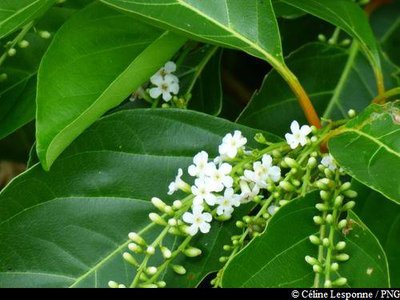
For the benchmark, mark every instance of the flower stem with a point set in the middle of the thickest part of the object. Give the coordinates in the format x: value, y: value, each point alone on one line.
x: 387, y: 94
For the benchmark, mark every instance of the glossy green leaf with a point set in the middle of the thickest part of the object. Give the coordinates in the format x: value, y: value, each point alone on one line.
x: 336, y: 79
x: 95, y: 61
x: 276, y: 257
x: 348, y: 16
x: 18, y: 92
x: 383, y: 218
x: 15, y: 14
x: 200, y: 76
x: 69, y: 226
x: 368, y: 148
x: 246, y: 25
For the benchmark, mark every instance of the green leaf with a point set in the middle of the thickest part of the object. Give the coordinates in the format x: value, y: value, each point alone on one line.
x: 284, y: 10
x: 245, y: 25
x: 386, y: 24
x: 276, y: 257
x: 18, y: 92
x: 383, y: 218
x: 200, y: 75
x: 348, y: 16
x: 336, y: 79
x: 95, y: 61
x: 69, y: 226
x: 15, y: 14
x: 368, y: 148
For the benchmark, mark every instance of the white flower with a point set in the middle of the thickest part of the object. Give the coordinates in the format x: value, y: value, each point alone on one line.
x: 227, y: 202
x: 168, y: 68
x: 202, y: 192
x: 298, y: 135
x: 329, y: 162
x: 262, y: 171
x: 274, y: 172
x: 200, y: 165
x: 165, y: 86
x: 218, y: 178
x: 231, y: 144
x: 198, y: 219
x: 248, y: 191
x: 178, y: 184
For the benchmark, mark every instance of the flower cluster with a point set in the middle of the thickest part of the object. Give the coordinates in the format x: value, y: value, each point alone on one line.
x: 165, y: 82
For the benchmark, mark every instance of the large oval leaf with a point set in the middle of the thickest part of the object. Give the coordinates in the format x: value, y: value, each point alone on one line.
x: 15, y: 14
x: 349, y: 84
x: 383, y: 218
x: 69, y: 226
x: 368, y: 148
x: 94, y: 62
x: 276, y: 258
x: 246, y: 25
x: 348, y: 16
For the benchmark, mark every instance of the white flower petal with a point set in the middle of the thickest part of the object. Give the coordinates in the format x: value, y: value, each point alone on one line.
x: 170, y: 67
x: 225, y: 168
x: 205, y: 227
x: 294, y: 127
x: 188, y: 217
x: 207, y: 217
x: 193, y: 229
x: 155, y: 92
x: 305, y: 130
x: 166, y: 96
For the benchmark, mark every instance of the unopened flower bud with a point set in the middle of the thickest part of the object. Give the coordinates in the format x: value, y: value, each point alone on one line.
x: 166, y: 252
x: 318, y: 220
x: 151, y: 270
x: 23, y: 44
x: 150, y: 250
x: 223, y: 259
x: 350, y: 194
x: 44, y: 34
x: 260, y: 138
x: 321, y: 37
x: 276, y: 153
x: 135, y: 248
x: 349, y: 205
x: 321, y: 206
x: 311, y: 260
x: 227, y: 248
x: 324, y: 195
x: 287, y: 186
x: 113, y: 284
x: 283, y: 202
x: 11, y: 52
x: 312, y: 162
x: 351, y: 113
x: 161, y: 284
x: 338, y: 201
x: 136, y: 238
x: 179, y: 269
x: 340, y: 245
x: 177, y: 204
x: 240, y: 224
x: 334, y: 267
x: 158, y: 203
x: 291, y: 162
x: 3, y: 77
x: 157, y: 219
x: 121, y: 286
x: 325, y: 242
x: 329, y: 219
x: 327, y: 284
x: 172, y: 222
x: 314, y: 240
x: 317, y: 268
x: 345, y: 186
x: 345, y: 42
x: 192, y: 252
x: 168, y: 210
x: 313, y: 139
x: 342, y: 224
x: 342, y: 257
x: 130, y: 259
x: 340, y: 281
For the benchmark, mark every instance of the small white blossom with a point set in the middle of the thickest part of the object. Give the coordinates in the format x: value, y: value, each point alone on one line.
x: 248, y: 191
x: 200, y: 165
x: 329, y: 162
x: 198, y: 219
x: 202, y: 192
x: 218, y: 178
x: 231, y: 144
x: 272, y: 209
x: 164, y: 86
x: 168, y: 69
x: 298, y: 135
x: 227, y: 202
x: 177, y: 184
x: 262, y: 171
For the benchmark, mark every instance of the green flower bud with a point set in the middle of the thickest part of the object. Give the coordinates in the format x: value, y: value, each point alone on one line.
x: 148, y: 286
x: 342, y: 257
x: 276, y: 153
x: 311, y: 260
x: 143, y: 277
x: 327, y: 284
x: 321, y: 206
x: 158, y: 203
x: 11, y: 52
x: 317, y: 268
x: 351, y: 113
x: 345, y: 43
x: 325, y: 242
x: 345, y: 186
x: 276, y: 195
x: 223, y: 259
x: 257, y: 199
x: 287, y: 186
x: 266, y: 216
x: 135, y: 248
x: 321, y: 37
x: 172, y: 222
x: 334, y: 267
x: 121, y: 286
x: 161, y: 284
x: 247, y: 219
x: 340, y: 245
x: 155, y: 218
x: 3, y: 77
x: 150, y: 250
x: 291, y: 162
x: 44, y: 34
x: 349, y: 205
x: 342, y: 224
x: 151, y: 270
x: 240, y: 224
x: 283, y: 202
x: 314, y: 240
x: 350, y: 194
x: 260, y: 138
x: 318, y: 220
x: 340, y: 281
x: 177, y: 231
x: 136, y: 238
x: 338, y: 201
x: 192, y: 252
x: 329, y: 219
x: 329, y: 173
x: 312, y: 162
x: 166, y: 252
x: 177, y: 204
x: 178, y: 269
x: 296, y: 182
x: 324, y: 195
x: 130, y: 259
x: 169, y: 211
x: 113, y: 284
x: 227, y: 248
